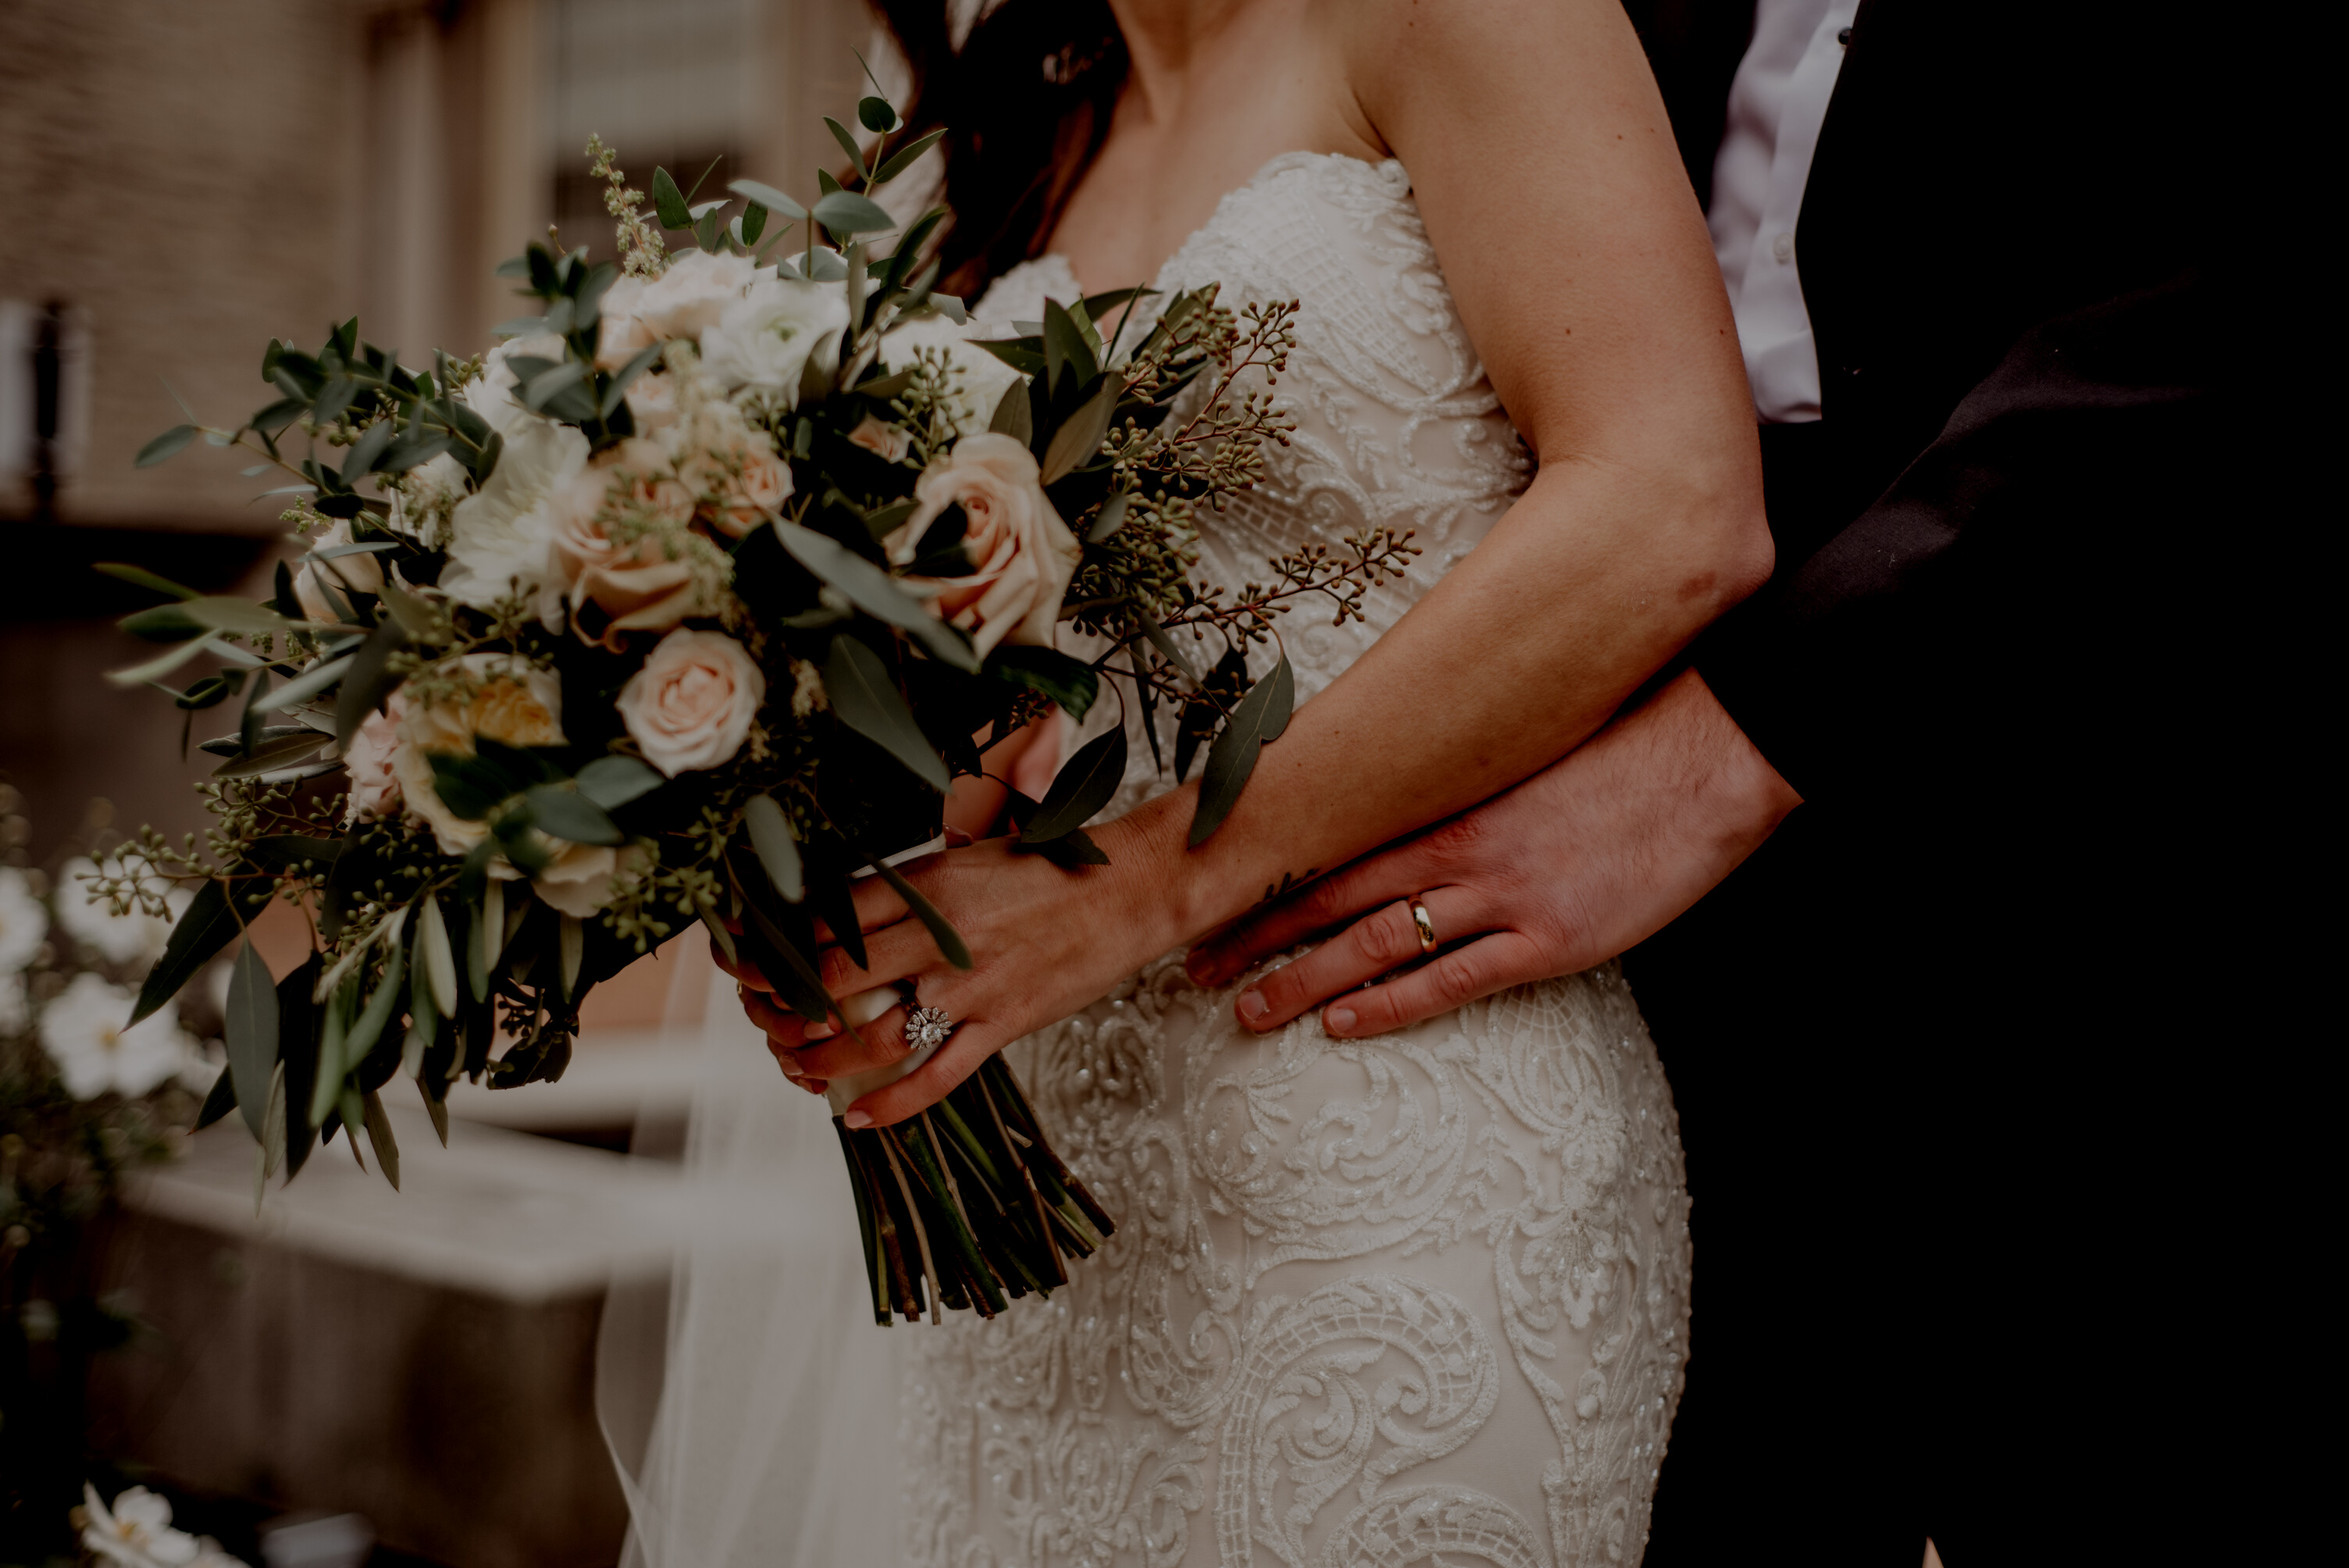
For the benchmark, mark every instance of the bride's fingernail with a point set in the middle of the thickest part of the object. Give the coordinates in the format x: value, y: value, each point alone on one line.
x: 818, y: 1032
x: 858, y: 1119
x: 1338, y: 1020
x: 1251, y: 1005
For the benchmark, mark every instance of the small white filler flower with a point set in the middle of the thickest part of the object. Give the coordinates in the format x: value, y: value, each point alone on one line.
x: 83, y: 1031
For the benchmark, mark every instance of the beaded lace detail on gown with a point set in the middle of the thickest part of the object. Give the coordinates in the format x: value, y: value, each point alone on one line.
x: 1419, y: 1299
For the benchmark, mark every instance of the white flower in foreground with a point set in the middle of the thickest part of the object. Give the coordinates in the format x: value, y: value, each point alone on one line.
x: 134, y: 938
x: 24, y: 921
x: 580, y: 880
x: 137, y: 1533
x: 82, y: 1030
x: 979, y: 379
x: 767, y: 339
x: 500, y: 536
x: 425, y: 496
x: 359, y: 572
x: 692, y: 705
x: 490, y: 394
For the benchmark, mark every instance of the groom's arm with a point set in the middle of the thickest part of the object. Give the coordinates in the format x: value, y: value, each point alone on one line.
x: 2050, y: 508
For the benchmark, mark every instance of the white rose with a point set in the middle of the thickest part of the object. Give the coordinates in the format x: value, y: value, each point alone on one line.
x: 769, y: 338
x: 357, y: 572
x: 580, y: 880
x: 1025, y: 555
x: 980, y: 379
x: 686, y: 301
x: 24, y: 921
x: 499, y: 537
x: 515, y: 703
x: 425, y: 496
x: 692, y: 705
x: 490, y: 394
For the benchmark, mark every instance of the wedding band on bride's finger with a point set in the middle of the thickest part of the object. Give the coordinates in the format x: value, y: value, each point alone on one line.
x: 1421, y: 924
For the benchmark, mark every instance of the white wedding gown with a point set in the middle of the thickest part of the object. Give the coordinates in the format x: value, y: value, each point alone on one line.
x: 1418, y: 1299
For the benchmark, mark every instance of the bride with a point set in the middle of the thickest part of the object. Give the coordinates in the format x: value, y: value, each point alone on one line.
x: 1382, y: 1300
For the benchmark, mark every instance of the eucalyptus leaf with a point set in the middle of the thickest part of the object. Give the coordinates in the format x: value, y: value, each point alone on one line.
x: 203, y: 928
x: 867, y: 700
x: 1261, y: 715
x: 613, y: 781
x: 1013, y: 414
x: 1071, y: 682
x: 164, y: 445
x: 568, y: 814
x: 221, y: 614
x: 1082, y: 788
x: 1164, y: 645
x: 844, y: 212
x: 875, y: 115
x: 670, y: 201
x: 1111, y: 516
x: 309, y: 683
x: 767, y: 196
x: 252, y: 1029
x: 273, y: 757
x: 144, y: 579
x: 870, y: 589
x: 433, y: 953
x: 1078, y: 440
x: 942, y: 930
x: 903, y: 158
x: 777, y: 846
x: 386, y: 1146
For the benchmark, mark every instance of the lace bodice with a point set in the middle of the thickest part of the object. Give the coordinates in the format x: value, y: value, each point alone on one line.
x: 1415, y: 1300
x: 1396, y: 425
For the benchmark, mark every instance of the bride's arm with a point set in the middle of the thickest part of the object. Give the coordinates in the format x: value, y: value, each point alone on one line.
x: 1542, y: 160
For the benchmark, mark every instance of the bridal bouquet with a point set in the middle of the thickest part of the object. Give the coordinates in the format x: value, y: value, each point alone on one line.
x: 687, y: 603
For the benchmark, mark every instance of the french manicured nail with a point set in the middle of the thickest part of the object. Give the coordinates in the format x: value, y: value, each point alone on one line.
x: 818, y: 1032
x: 813, y: 1085
x: 1338, y: 1020
x: 858, y: 1119
x: 1251, y: 1005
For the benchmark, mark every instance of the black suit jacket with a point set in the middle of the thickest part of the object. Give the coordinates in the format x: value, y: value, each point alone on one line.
x: 1924, y: 1042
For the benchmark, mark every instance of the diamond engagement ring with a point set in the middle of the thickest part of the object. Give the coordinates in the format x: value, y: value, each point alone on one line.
x: 927, y: 1027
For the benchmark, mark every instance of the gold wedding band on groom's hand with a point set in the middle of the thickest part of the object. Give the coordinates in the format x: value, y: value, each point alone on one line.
x: 1425, y: 927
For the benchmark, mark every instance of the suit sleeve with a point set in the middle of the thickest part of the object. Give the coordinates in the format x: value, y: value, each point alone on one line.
x: 2063, y: 517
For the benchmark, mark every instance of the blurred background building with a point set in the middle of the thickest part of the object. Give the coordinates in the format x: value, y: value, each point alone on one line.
x: 185, y: 181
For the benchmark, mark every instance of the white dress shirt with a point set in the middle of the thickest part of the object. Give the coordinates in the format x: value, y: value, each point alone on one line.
x: 1777, y: 104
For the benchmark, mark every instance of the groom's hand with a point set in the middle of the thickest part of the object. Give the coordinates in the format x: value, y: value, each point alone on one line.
x: 1566, y: 871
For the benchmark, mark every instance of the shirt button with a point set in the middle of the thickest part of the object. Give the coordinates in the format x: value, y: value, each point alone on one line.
x: 1783, y: 247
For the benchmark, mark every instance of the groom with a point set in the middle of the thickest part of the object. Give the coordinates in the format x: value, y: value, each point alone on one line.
x: 1938, y: 1040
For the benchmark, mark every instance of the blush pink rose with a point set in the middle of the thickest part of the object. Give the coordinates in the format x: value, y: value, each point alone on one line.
x: 691, y: 705
x: 642, y: 584
x: 1024, y: 555
x: 375, y: 783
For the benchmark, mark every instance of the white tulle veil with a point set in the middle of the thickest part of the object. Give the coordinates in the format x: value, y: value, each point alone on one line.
x: 751, y: 1402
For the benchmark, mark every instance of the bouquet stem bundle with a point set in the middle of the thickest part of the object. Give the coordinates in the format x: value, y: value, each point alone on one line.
x: 965, y: 1206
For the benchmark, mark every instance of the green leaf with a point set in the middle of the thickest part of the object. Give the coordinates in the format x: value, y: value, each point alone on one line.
x: 1066, y: 348
x: 439, y: 964
x: 903, y: 158
x: 797, y: 984
x: 205, y: 927
x: 875, y: 115
x: 867, y: 702
x: 870, y: 589
x: 370, y: 681
x: 847, y: 140
x: 309, y: 683
x: 1078, y: 440
x: 613, y: 781
x: 567, y: 814
x: 942, y: 930
x: 252, y: 1028
x: 670, y: 201
x: 368, y: 449
x: 1014, y: 417
x: 547, y: 384
x: 768, y: 197
x: 1071, y: 682
x: 1083, y: 787
x: 162, y: 623
x: 144, y: 579
x: 1261, y: 715
x: 224, y: 614
x: 1107, y: 521
x: 386, y: 1146
x: 221, y: 1101
x: 777, y: 846
x: 1164, y: 645
x: 273, y: 756
x: 164, y: 445
x: 844, y: 212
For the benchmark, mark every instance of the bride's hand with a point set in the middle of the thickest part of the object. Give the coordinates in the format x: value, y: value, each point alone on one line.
x: 1044, y: 941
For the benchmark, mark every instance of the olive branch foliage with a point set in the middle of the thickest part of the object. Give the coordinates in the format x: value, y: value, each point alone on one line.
x: 1139, y: 410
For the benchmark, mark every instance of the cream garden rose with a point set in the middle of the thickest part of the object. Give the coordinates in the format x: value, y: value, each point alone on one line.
x: 692, y: 705
x: 375, y: 781
x: 768, y: 340
x: 499, y: 537
x: 511, y: 702
x: 685, y: 301
x: 617, y: 540
x: 1024, y: 555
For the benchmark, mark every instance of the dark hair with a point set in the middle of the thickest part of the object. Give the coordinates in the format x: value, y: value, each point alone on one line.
x: 1026, y: 101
